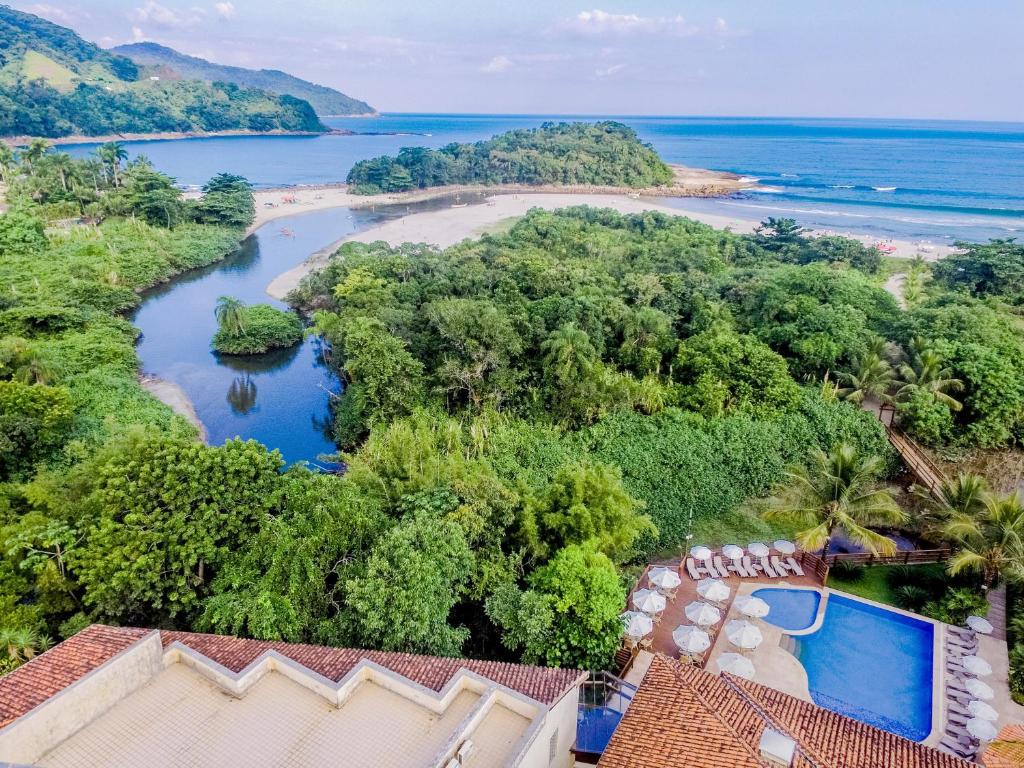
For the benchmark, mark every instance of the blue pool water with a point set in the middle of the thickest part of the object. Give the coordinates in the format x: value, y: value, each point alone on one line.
x: 791, y: 609
x: 594, y: 728
x: 872, y: 664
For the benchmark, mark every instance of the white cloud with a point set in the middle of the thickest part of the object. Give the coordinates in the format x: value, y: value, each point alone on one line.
x: 162, y: 16
x: 52, y: 12
x: 609, y: 71
x: 138, y: 35
x: 225, y: 11
x: 497, y: 64
x: 602, y: 23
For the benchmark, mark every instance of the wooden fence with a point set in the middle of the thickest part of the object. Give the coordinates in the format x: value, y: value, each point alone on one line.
x: 906, y: 557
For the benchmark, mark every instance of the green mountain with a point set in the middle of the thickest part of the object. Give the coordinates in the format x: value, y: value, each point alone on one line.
x: 169, y: 62
x: 53, y: 83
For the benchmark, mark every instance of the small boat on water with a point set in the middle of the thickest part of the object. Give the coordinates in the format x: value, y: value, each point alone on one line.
x: 459, y: 205
x: 285, y: 232
x: 884, y: 189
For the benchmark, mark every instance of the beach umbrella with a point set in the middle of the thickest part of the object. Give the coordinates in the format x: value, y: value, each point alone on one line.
x: 735, y: 664
x: 664, y: 578
x: 714, y: 590
x: 637, y: 624
x: 703, y: 614
x: 743, y: 634
x: 751, y: 606
x: 978, y: 689
x: 691, y: 639
x: 982, y: 710
x: 785, y: 547
x: 976, y: 665
x: 757, y: 549
x: 982, y: 730
x: 648, y: 601
x: 979, y: 624
x: 700, y: 552
x: 732, y: 552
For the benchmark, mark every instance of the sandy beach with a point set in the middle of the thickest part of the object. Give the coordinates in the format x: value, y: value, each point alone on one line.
x: 448, y: 226
x: 173, y: 396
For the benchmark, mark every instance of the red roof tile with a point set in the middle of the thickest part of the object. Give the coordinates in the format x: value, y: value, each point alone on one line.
x: 1007, y: 751
x: 539, y: 683
x: 49, y: 673
x: 684, y: 717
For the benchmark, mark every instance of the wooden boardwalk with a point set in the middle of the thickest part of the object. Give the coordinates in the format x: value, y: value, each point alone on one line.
x: 925, y: 471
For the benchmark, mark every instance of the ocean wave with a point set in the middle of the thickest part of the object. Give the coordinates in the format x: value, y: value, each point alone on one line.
x: 884, y: 189
x: 770, y: 190
x: 843, y: 186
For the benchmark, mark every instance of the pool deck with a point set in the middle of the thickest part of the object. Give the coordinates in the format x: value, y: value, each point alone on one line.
x: 776, y: 667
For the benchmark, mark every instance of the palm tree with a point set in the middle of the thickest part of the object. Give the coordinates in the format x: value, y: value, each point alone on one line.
x: 837, y: 491
x: 871, y: 380
x: 7, y: 162
x: 568, y: 353
x: 112, y: 154
x: 962, y: 496
x: 926, y: 374
x: 230, y: 313
x: 34, y: 151
x: 64, y: 166
x: 989, y: 539
x: 21, y: 643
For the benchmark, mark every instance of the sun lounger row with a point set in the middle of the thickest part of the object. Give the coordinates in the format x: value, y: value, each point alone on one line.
x: 956, y: 739
x: 774, y: 567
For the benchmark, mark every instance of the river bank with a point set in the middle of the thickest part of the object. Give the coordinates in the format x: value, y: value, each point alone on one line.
x: 276, y: 202
x: 443, y: 228
x: 174, y: 397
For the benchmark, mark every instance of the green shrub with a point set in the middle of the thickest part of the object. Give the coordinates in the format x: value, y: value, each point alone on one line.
x: 912, y: 597
x: 265, y: 328
x: 848, y: 571
x: 956, y: 605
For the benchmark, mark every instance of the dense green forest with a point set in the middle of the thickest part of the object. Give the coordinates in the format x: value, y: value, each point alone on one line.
x: 605, y: 153
x: 525, y: 418
x: 163, y: 61
x: 53, y: 83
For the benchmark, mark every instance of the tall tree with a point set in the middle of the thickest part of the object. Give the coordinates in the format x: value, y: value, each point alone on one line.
x: 230, y: 314
x: 112, y: 154
x: 837, y: 491
x: 989, y: 539
x: 871, y: 379
x: 926, y: 374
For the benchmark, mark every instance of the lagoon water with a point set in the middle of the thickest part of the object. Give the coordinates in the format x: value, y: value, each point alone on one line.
x: 909, y: 179
x: 949, y: 180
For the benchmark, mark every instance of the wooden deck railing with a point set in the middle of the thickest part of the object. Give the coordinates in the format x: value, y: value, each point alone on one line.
x: 928, y: 474
x: 906, y: 557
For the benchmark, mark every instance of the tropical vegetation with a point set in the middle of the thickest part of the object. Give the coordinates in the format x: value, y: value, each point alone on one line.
x: 604, y: 154
x: 249, y: 330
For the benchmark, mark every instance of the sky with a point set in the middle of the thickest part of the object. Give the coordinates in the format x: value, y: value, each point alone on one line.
x: 946, y: 59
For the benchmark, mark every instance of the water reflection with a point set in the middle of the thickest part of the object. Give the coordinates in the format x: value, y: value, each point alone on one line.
x: 242, y: 395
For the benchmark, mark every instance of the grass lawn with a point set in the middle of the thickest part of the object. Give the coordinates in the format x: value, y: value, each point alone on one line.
x: 873, y: 582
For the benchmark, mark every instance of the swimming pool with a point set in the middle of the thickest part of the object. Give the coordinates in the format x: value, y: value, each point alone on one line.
x: 866, y: 662
x: 791, y: 609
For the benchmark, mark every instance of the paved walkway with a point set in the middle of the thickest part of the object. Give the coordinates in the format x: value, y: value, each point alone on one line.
x: 993, y: 649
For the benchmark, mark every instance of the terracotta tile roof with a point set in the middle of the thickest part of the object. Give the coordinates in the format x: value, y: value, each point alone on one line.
x: 49, y: 673
x: 1007, y: 751
x: 539, y: 683
x: 684, y: 717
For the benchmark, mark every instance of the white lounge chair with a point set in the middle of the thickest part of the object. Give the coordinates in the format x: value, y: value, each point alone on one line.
x: 691, y: 568
x: 767, y: 568
x: 720, y: 567
x: 777, y: 565
x: 748, y: 566
x: 794, y: 566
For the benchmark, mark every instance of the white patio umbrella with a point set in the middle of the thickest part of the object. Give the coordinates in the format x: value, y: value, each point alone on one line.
x: 982, y: 710
x: 978, y: 689
x: 751, y: 606
x: 732, y: 552
x: 785, y: 547
x: 743, y: 634
x: 700, y: 552
x: 691, y: 639
x: 757, y: 549
x: 637, y: 624
x: 982, y: 730
x: 664, y: 578
x: 976, y: 665
x: 735, y: 664
x: 703, y: 614
x: 714, y: 590
x: 979, y: 624
x: 648, y: 601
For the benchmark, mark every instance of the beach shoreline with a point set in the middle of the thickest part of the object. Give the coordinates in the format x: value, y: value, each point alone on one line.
x: 445, y: 227
x: 175, y: 398
x: 21, y: 141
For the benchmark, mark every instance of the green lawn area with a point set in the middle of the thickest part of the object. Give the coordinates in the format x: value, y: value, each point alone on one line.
x: 873, y: 583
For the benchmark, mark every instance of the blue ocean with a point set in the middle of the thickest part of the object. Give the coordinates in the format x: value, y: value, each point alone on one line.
x: 908, y: 179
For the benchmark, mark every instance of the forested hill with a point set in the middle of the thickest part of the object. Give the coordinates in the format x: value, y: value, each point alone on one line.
x: 169, y: 62
x: 53, y: 83
x: 600, y: 154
